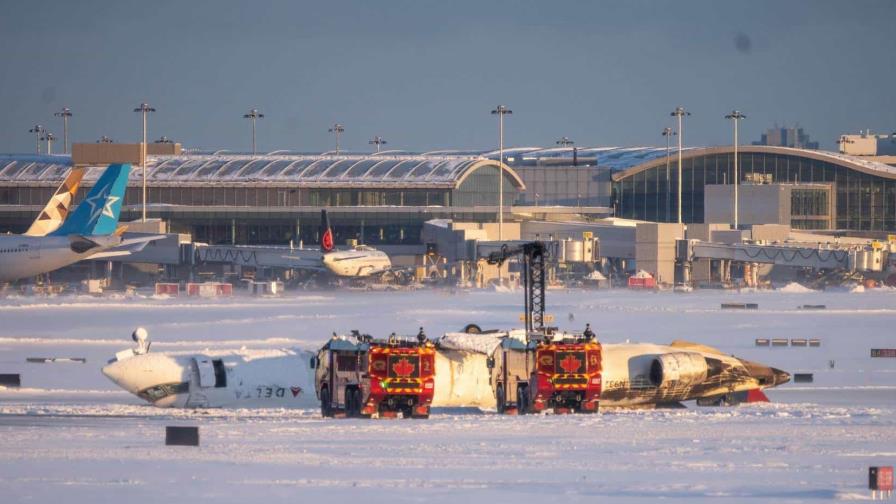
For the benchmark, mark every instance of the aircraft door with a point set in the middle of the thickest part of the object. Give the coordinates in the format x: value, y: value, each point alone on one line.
x: 34, y: 250
x: 205, y: 371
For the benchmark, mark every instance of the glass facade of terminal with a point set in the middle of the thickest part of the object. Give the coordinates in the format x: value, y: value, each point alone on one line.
x: 861, y: 201
x: 389, y: 199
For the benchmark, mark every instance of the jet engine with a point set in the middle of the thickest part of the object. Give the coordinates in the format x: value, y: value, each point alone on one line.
x: 678, y: 369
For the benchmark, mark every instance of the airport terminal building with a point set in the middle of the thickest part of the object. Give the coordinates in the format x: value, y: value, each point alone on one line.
x: 385, y: 198
x: 831, y: 190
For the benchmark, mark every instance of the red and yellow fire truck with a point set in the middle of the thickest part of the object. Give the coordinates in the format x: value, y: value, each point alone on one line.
x: 549, y: 370
x: 381, y: 378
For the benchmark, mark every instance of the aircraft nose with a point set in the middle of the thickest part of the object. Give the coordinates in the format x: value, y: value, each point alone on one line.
x: 118, y: 372
x: 781, y: 377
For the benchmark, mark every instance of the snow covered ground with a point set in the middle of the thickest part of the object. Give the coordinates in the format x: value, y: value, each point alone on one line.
x: 69, y: 435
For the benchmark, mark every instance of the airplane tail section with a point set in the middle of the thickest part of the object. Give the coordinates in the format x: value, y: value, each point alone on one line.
x: 98, y: 213
x: 54, y: 214
x: 326, y: 233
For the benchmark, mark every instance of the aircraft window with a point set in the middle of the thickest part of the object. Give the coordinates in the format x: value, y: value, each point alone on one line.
x: 220, y: 373
x: 153, y: 394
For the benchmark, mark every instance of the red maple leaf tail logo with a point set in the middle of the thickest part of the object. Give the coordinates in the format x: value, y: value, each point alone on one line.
x: 326, y: 242
x: 295, y: 391
x: 403, y: 367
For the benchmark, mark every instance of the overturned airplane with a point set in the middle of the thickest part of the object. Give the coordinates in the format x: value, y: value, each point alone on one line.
x: 632, y: 375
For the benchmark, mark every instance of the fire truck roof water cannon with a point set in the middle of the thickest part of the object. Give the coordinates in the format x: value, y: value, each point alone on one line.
x: 362, y: 377
x: 548, y: 370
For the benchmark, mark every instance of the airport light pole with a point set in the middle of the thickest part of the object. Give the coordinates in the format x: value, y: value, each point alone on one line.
x: 164, y: 140
x: 144, y: 109
x: 336, y: 130
x: 735, y: 116
x: 679, y: 112
x: 668, y: 133
x: 501, y: 111
x: 37, y: 130
x: 49, y: 138
x: 65, y: 113
x: 104, y: 140
x: 377, y: 140
x: 254, y: 115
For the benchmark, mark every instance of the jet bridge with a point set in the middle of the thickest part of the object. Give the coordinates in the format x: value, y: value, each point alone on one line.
x: 851, y: 259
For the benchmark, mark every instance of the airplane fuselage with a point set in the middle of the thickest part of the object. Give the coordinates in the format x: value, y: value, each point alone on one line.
x: 359, y: 263
x: 27, y: 256
x: 277, y: 378
x: 285, y: 378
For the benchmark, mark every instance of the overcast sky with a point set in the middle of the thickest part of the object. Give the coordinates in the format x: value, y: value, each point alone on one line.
x: 425, y: 74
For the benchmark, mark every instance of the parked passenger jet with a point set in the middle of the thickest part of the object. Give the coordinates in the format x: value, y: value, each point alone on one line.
x: 360, y: 261
x: 91, y: 232
x: 635, y: 375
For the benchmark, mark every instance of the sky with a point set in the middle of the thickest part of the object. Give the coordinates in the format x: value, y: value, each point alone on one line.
x: 426, y: 74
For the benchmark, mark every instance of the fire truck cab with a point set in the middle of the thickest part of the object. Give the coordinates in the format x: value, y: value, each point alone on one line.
x: 373, y: 378
x: 567, y: 376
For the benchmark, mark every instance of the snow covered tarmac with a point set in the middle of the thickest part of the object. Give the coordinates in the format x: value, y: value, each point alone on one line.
x: 70, y: 434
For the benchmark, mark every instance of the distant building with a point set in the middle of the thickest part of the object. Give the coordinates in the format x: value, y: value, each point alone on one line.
x: 870, y: 146
x: 787, y: 137
x: 867, y: 143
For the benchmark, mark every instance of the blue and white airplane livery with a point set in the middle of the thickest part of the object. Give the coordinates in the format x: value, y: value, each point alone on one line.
x: 90, y: 232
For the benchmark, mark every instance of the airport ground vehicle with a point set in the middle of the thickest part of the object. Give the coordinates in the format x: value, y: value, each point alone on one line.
x: 559, y: 372
x: 546, y: 369
x: 368, y: 377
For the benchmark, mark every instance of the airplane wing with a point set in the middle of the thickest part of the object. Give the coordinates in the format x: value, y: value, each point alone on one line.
x: 305, y: 263
x: 109, y: 253
x: 696, y: 346
x: 127, y: 246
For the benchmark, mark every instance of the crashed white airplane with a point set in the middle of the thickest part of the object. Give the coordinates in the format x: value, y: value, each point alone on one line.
x: 635, y: 375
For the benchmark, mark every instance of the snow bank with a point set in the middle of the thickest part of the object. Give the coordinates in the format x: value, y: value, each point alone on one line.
x: 795, y: 288
x: 478, y: 343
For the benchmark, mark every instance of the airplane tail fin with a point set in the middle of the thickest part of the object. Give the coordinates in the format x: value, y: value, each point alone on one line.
x: 98, y: 213
x: 54, y: 214
x: 326, y: 233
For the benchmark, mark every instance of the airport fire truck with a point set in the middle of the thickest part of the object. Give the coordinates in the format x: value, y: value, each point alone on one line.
x: 359, y: 376
x: 544, y: 369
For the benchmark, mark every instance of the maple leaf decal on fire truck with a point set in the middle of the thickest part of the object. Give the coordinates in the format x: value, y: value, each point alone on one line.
x: 570, y: 364
x: 403, y: 367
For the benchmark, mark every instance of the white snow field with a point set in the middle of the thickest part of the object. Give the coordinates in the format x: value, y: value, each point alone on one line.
x: 69, y: 435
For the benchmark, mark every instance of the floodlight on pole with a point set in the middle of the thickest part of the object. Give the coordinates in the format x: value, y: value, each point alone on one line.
x: 735, y: 116
x: 105, y: 140
x: 336, y: 130
x: 49, y: 138
x: 679, y: 112
x: 144, y: 109
x: 501, y: 111
x: 378, y: 141
x: 668, y: 133
x: 37, y: 130
x: 164, y: 140
x: 254, y: 115
x: 65, y: 113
